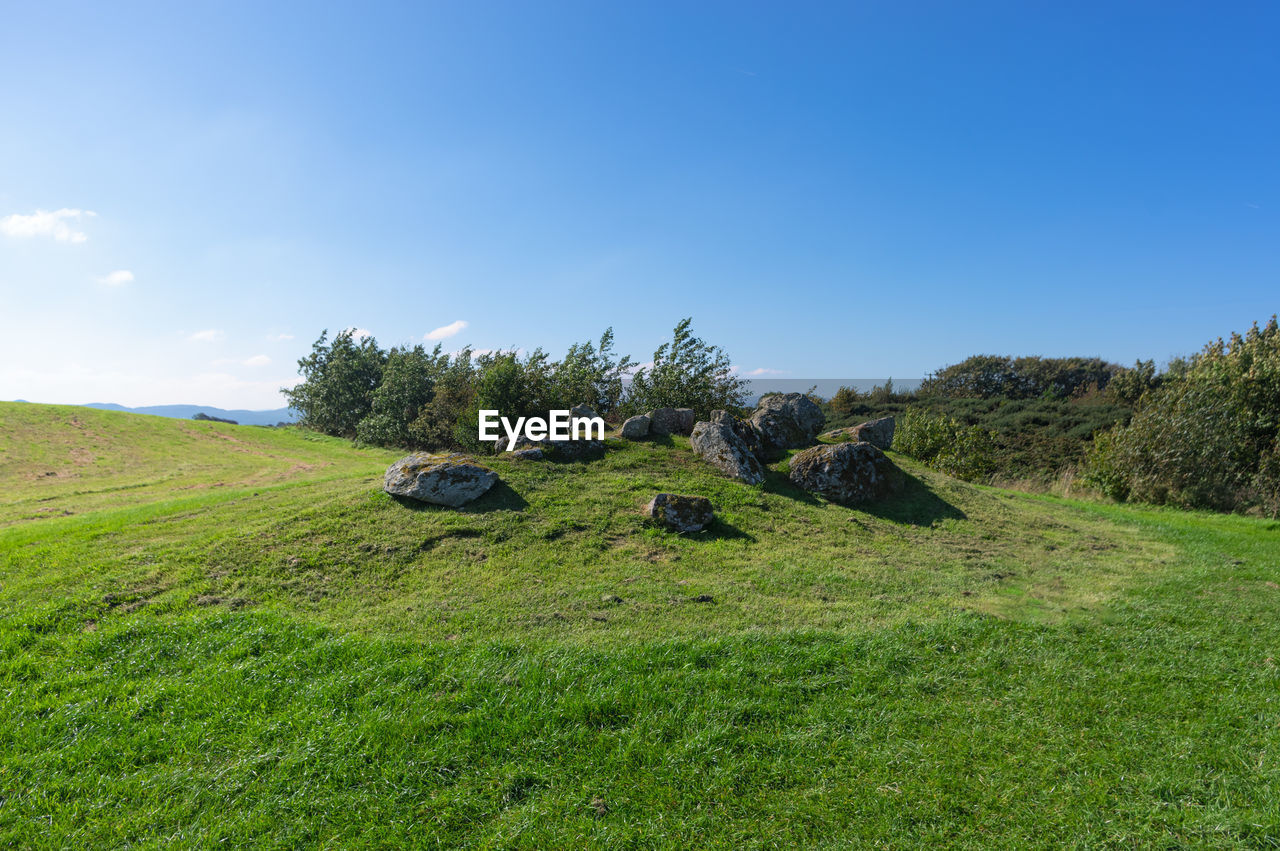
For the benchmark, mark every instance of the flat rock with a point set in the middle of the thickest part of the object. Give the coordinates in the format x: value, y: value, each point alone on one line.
x: 719, y: 445
x: 846, y: 472
x: 680, y: 513
x: 879, y: 433
x: 451, y: 479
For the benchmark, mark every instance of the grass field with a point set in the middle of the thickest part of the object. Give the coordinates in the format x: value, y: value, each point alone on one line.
x: 218, y: 634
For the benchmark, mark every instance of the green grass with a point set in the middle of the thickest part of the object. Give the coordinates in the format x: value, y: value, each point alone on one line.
x: 295, y: 659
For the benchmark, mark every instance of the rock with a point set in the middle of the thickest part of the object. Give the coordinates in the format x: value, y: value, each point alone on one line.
x: 581, y: 412
x: 720, y: 446
x: 879, y: 433
x: 680, y: 513
x: 573, y: 450
x: 451, y: 480
x: 635, y: 427
x: 785, y: 421
x: 671, y: 421
x: 846, y: 472
x: 561, y: 450
x: 741, y: 429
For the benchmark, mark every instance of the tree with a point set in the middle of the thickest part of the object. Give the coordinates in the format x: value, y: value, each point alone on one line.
x: 408, y: 386
x: 687, y: 373
x: 591, y: 374
x: 338, y: 382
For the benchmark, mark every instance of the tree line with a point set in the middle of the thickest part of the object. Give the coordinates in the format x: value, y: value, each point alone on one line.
x: 415, y: 398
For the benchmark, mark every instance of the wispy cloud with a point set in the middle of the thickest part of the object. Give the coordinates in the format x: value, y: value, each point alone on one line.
x: 257, y: 360
x: 444, y: 332
x: 765, y: 371
x: 46, y: 224
x: 279, y: 338
x: 118, y: 278
x: 209, y: 335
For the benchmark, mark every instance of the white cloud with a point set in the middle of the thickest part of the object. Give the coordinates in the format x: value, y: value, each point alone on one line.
x: 118, y: 278
x: 766, y: 371
x: 279, y: 338
x: 209, y: 335
x: 446, y: 331
x: 359, y: 334
x: 44, y: 223
x: 258, y: 360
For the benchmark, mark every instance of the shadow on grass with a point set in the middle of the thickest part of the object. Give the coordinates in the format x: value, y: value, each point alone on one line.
x: 500, y: 497
x: 780, y: 484
x: 916, y: 506
x: 720, y: 531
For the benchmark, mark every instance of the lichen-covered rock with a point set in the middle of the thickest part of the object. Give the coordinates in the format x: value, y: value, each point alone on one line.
x: 680, y: 513
x: 635, y: 427
x: 718, y: 444
x: 785, y: 421
x: 532, y: 453
x: 451, y: 480
x: 879, y: 433
x: 846, y: 472
x: 671, y: 421
x: 742, y: 429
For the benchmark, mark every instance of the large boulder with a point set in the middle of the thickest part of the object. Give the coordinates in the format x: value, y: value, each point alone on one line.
x: 680, y: 513
x: 671, y: 421
x: 879, y: 433
x: 785, y: 421
x: 719, y: 445
x: 635, y: 427
x: 742, y: 429
x: 451, y: 480
x: 846, y: 472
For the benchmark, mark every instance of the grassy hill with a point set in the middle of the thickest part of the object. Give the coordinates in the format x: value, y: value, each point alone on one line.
x: 213, y: 633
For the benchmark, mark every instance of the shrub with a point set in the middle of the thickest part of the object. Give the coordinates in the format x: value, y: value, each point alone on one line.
x: 945, y: 444
x: 1206, y: 436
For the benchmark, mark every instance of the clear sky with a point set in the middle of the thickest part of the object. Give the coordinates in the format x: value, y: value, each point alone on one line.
x: 190, y: 192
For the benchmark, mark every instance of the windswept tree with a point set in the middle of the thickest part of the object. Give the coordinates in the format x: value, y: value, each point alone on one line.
x: 687, y: 373
x: 592, y: 374
x: 338, y: 383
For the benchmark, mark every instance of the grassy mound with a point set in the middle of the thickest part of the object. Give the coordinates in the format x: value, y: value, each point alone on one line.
x: 262, y: 646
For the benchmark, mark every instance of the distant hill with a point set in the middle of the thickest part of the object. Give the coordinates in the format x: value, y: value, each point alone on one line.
x: 186, y: 412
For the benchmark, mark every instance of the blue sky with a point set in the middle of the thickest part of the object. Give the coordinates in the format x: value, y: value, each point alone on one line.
x: 854, y: 189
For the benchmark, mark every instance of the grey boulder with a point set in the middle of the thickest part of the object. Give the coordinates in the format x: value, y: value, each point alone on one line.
x: 671, y: 421
x: 785, y: 421
x: 846, y: 472
x: 451, y: 480
x: 680, y: 513
x: 635, y: 427
x: 719, y: 445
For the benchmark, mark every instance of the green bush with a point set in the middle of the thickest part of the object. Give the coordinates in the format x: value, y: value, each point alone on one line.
x: 1206, y: 436
x: 945, y: 444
